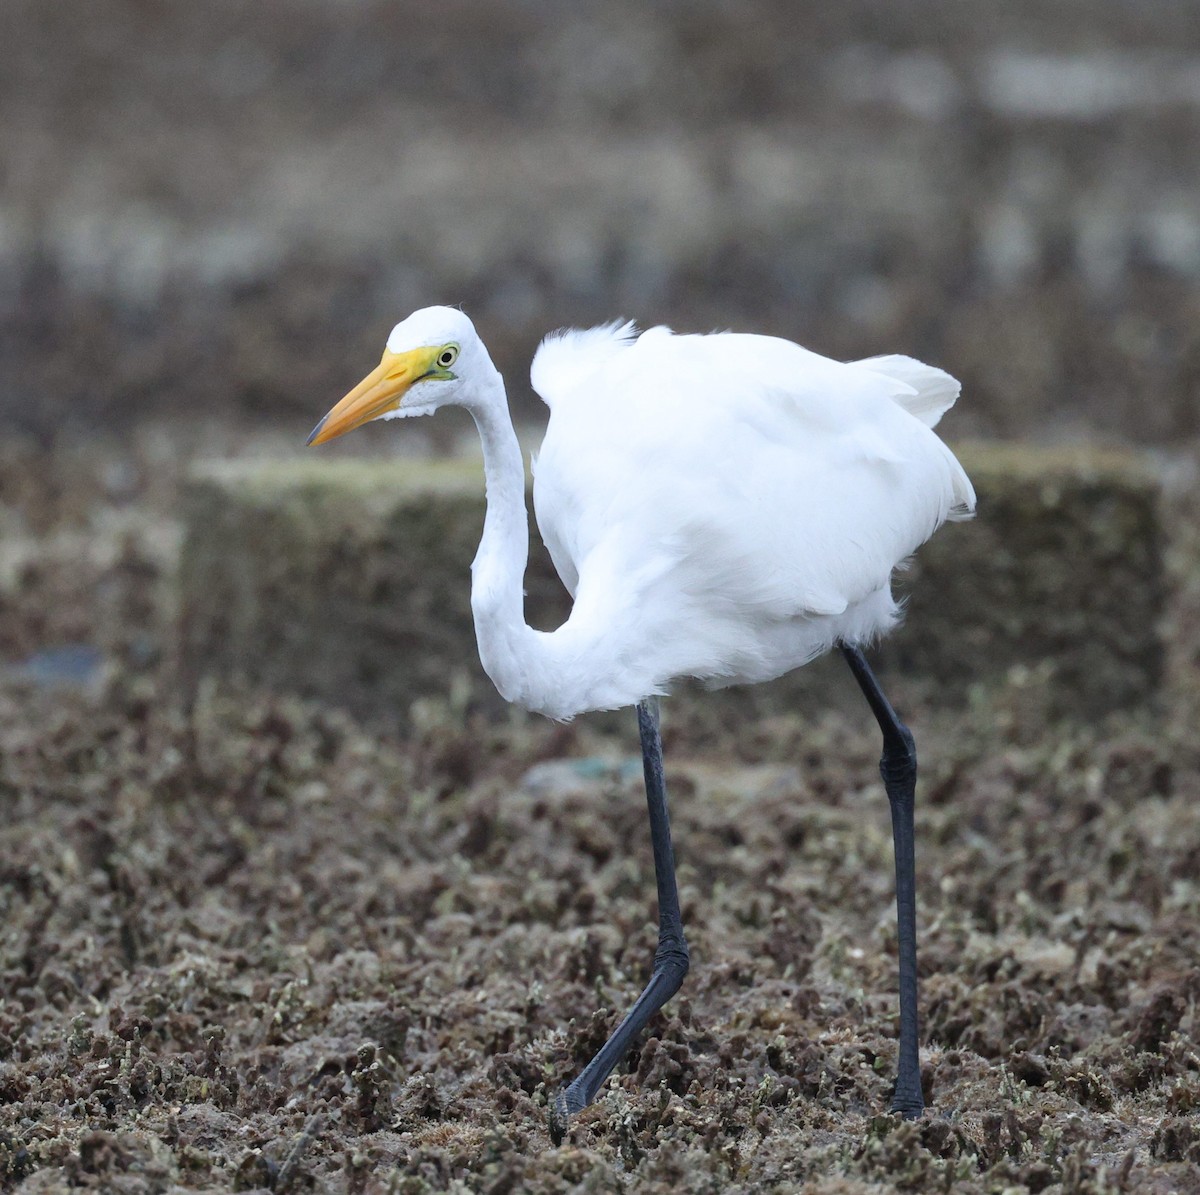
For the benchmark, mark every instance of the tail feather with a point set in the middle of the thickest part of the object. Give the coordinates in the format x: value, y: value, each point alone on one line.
x: 926, y: 391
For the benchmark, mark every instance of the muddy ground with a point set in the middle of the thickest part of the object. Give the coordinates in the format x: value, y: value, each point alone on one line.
x: 249, y: 943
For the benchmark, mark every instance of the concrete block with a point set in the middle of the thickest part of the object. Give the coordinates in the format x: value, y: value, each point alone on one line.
x: 342, y: 580
x: 1062, y: 574
x: 349, y: 581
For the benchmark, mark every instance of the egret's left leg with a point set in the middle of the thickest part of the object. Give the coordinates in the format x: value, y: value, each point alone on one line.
x: 898, y: 766
x: 671, y: 959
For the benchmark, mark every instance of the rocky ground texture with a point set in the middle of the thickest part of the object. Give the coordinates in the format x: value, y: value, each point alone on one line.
x: 252, y: 944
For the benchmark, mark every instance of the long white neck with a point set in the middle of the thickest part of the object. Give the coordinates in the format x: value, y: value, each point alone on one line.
x: 514, y: 655
x: 558, y: 673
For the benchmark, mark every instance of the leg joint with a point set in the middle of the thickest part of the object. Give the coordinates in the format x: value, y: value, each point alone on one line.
x: 899, y: 761
x: 673, y: 956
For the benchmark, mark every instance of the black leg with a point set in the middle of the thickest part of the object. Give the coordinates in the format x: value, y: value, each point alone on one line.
x: 898, y: 766
x: 671, y: 957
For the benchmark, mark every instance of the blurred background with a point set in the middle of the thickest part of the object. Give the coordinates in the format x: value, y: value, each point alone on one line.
x: 211, y: 216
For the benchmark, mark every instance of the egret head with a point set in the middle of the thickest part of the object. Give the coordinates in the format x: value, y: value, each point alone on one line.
x: 433, y: 358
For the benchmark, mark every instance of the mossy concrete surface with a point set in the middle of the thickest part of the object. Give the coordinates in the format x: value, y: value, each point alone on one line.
x: 350, y: 581
x: 1060, y: 581
x: 342, y: 580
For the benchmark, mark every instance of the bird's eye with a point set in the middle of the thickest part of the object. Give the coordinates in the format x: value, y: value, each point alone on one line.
x: 448, y: 356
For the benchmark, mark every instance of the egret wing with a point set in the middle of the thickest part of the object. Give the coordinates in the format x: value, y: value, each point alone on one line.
x: 775, y: 478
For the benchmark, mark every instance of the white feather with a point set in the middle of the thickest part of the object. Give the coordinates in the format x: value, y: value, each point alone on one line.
x: 923, y: 390
x: 728, y: 507
x: 566, y: 358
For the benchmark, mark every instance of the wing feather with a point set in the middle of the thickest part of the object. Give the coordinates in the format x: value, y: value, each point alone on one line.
x: 567, y: 358
x: 738, y: 487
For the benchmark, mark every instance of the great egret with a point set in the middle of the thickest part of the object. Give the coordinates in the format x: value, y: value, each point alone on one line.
x: 726, y: 507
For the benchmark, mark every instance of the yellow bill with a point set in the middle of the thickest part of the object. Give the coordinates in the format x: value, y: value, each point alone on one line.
x: 378, y: 393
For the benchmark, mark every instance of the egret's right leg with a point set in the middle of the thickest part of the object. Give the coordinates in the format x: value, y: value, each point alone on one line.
x: 671, y: 959
x: 898, y: 767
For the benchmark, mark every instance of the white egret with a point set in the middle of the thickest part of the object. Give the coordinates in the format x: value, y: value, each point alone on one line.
x: 725, y: 507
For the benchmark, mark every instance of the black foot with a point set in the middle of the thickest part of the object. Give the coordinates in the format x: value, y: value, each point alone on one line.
x: 909, y: 1109
x: 559, y: 1111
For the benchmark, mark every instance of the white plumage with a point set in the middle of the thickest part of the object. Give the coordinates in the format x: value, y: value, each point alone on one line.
x: 725, y: 507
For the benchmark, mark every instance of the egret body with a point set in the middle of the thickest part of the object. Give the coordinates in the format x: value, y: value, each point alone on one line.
x: 726, y: 507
